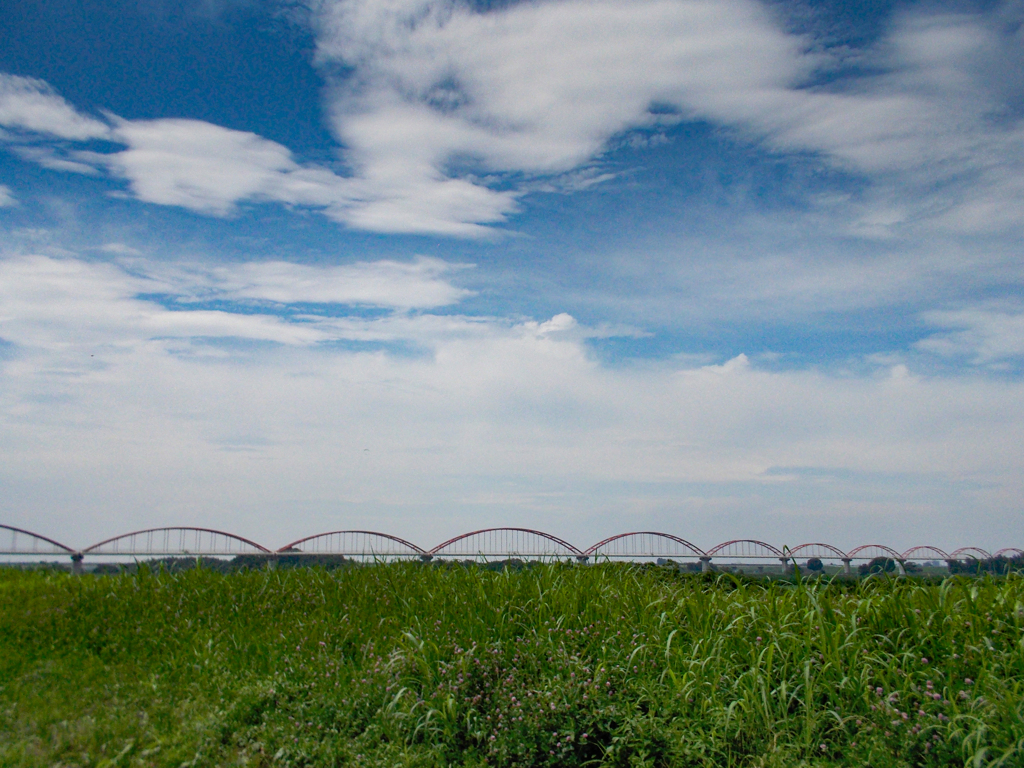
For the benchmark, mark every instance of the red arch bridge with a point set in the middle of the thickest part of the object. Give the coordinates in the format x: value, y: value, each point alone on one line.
x: 481, y: 545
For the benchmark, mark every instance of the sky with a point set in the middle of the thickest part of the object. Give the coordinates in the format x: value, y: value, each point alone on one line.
x: 718, y: 268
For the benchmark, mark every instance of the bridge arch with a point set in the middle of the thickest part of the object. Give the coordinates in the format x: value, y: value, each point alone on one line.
x: 743, y: 551
x: 975, y: 553
x: 176, y: 541
x: 18, y: 541
x: 924, y: 553
x: 1009, y: 552
x: 747, y: 549
x: 817, y: 549
x: 353, y: 544
x: 644, y: 544
x: 871, y: 551
x: 506, y: 542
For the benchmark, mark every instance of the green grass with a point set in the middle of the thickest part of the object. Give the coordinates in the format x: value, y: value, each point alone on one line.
x: 560, y: 665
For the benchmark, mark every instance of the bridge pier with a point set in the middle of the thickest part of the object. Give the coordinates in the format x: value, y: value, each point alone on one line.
x: 76, y: 563
x: 705, y: 564
x: 847, y: 570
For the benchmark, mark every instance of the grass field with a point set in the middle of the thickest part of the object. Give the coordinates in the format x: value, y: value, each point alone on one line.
x: 558, y: 665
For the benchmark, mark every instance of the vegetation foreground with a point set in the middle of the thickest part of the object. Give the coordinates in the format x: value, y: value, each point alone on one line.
x: 558, y: 665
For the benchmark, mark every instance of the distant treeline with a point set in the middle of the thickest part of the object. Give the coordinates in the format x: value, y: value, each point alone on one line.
x: 996, y: 565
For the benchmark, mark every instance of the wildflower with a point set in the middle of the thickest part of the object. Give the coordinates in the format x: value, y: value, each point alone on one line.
x: 968, y: 681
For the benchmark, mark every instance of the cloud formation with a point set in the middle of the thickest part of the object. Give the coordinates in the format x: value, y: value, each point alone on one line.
x: 447, y: 115
x: 985, y: 335
x: 541, y: 88
x: 32, y: 105
x: 420, y: 284
x: 508, y: 418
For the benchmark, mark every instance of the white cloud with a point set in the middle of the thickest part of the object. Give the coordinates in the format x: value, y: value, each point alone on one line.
x: 210, y: 169
x: 63, y: 304
x: 537, y: 87
x: 47, y: 157
x: 417, y: 284
x: 201, y: 166
x: 31, y: 105
x: 542, y: 88
x: 98, y: 301
x: 7, y: 198
x: 985, y: 335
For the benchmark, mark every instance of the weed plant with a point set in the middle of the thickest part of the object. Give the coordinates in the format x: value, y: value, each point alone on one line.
x: 557, y: 665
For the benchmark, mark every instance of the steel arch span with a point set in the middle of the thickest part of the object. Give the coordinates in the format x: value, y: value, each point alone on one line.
x: 506, y: 542
x: 818, y: 550
x: 924, y: 553
x: 975, y: 553
x: 1009, y: 553
x: 361, y: 544
x: 645, y: 544
x: 18, y: 541
x: 871, y: 551
x: 747, y: 549
x: 175, y: 542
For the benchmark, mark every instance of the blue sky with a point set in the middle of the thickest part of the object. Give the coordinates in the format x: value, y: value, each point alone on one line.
x: 722, y: 269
